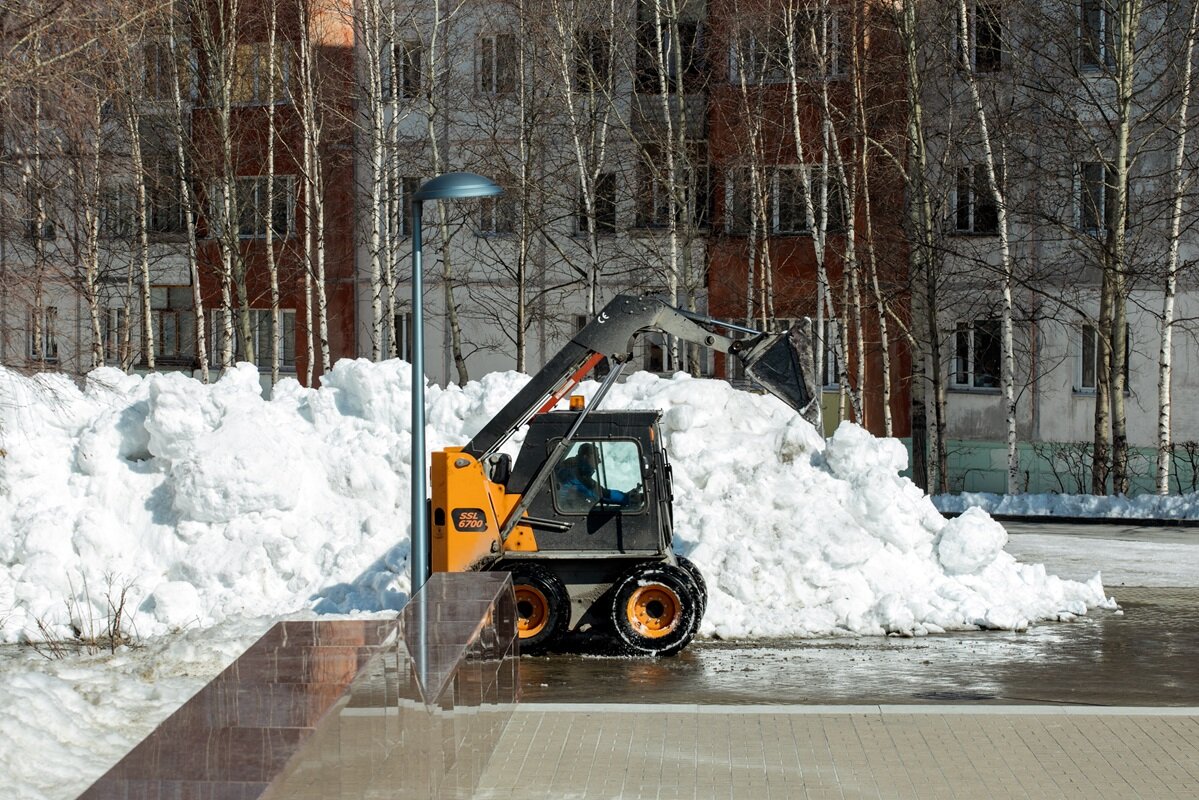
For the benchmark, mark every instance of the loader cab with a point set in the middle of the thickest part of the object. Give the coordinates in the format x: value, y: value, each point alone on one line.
x: 610, y: 492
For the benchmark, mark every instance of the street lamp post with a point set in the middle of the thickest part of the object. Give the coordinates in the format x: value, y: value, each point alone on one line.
x: 449, y: 186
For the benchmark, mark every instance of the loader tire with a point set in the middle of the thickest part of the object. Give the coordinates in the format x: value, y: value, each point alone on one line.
x: 655, y: 610
x: 698, y: 578
x: 542, y: 606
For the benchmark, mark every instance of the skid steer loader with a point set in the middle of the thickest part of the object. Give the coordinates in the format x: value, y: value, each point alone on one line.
x: 583, y: 518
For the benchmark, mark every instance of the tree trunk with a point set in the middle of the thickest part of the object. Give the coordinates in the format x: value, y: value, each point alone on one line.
x: 1008, y: 363
x: 272, y: 268
x: 92, y: 246
x: 373, y: 42
x: 1101, y: 453
x: 312, y: 123
x: 1127, y: 64
x: 141, y: 219
x: 1178, y: 176
x: 185, y: 197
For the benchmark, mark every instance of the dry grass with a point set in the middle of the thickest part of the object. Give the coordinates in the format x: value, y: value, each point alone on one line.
x: 89, y: 633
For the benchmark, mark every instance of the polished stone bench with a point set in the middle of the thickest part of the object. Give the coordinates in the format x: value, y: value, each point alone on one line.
x: 393, y: 708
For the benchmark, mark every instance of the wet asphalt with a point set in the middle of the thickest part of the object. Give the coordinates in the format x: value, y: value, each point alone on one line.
x: 1144, y: 654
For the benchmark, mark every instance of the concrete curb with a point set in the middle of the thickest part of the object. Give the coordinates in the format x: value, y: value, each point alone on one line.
x: 1046, y: 519
x: 871, y: 710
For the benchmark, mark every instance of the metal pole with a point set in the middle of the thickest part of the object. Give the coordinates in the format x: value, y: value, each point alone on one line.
x: 419, y: 562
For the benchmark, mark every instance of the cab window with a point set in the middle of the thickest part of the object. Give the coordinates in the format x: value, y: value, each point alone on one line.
x: 599, y: 472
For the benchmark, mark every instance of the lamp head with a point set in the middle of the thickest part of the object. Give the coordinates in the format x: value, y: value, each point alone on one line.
x: 457, y: 186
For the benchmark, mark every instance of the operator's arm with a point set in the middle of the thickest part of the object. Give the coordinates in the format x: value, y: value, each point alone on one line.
x: 616, y: 496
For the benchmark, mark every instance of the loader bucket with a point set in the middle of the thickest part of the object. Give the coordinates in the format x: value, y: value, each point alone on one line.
x: 785, y: 365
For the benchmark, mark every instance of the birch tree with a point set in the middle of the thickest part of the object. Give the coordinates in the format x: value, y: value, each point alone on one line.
x: 131, y: 104
x: 215, y: 27
x: 754, y: 64
x: 994, y: 168
x: 929, y: 452
x: 677, y: 188
x: 809, y: 64
x: 585, y: 99
x: 1180, y: 180
x: 857, y: 31
x: 312, y: 126
x: 378, y: 50
x: 182, y: 77
x: 272, y: 267
x: 1102, y: 77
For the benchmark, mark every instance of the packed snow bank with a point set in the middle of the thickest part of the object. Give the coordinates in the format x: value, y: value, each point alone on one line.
x: 1145, y: 506
x: 63, y: 723
x: 212, y: 503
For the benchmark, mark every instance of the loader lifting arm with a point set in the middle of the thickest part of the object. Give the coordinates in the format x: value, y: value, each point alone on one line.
x: 782, y: 362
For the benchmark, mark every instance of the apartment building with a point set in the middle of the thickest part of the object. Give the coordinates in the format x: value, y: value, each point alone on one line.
x: 635, y: 109
x: 679, y: 154
x: 1048, y: 75
x: 105, y: 256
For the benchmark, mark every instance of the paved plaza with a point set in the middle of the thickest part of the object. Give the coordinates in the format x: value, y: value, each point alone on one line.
x: 594, y: 752
x: 1103, y: 707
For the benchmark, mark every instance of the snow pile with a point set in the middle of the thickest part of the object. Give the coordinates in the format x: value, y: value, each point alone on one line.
x: 64, y: 723
x: 1145, y: 506
x: 212, y: 503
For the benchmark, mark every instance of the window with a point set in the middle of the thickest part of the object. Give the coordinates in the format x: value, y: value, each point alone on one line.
x: 1095, y: 196
x: 976, y: 354
x: 117, y: 212
x: 761, y: 57
x: 118, y: 340
x: 1096, y: 35
x: 497, y: 63
x: 986, y: 37
x: 401, y: 66
x: 497, y: 215
x: 396, y: 204
x: 36, y: 210
x: 975, y: 210
x: 593, y: 61
x: 1090, y: 358
x: 173, y: 320
x: 790, y: 203
x: 158, y: 77
x: 403, y: 349
x: 842, y: 45
x: 262, y: 326
x: 252, y: 207
x: 164, y: 209
x: 605, y: 206
x: 831, y: 378
x: 655, y: 357
x: 652, y: 200
x: 252, y: 70
x: 261, y: 337
x: 738, y: 207
x: 694, y: 192
x: 604, y: 472
x: 43, y: 343
x: 688, y: 51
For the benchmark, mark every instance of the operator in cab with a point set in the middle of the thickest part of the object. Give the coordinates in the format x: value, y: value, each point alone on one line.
x: 578, y: 487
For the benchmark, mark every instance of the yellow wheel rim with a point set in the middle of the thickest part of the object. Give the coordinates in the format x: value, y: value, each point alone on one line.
x: 654, y: 611
x: 532, y: 611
